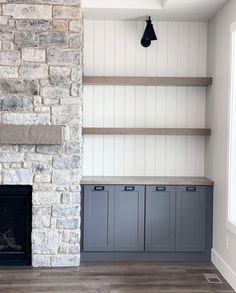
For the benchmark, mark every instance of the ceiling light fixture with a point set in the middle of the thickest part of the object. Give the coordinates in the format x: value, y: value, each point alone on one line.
x: 149, y: 34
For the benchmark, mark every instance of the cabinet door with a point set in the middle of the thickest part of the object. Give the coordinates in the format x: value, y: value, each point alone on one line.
x: 129, y: 218
x: 98, y: 218
x: 191, y: 218
x: 160, y: 218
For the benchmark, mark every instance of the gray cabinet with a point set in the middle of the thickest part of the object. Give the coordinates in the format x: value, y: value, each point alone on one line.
x: 98, y: 217
x: 129, y: 218
x: 160, y: 218
x: 148, y: 219
x: 191, y: 218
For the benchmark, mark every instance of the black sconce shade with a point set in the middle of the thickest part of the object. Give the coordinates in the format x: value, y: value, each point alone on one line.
x: 149, y: 34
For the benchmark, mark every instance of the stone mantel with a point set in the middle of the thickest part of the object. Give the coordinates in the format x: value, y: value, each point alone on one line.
x: 31, y: 134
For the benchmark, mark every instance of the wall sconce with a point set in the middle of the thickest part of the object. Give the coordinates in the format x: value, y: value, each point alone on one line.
x: 149, y: 34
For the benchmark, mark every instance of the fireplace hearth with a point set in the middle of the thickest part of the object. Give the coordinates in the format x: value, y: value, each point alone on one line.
x: 15, y: 224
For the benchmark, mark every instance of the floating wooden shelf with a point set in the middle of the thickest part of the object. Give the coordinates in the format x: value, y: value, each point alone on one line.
x: 148, y: 81
x: 146, y: 131
x: 147, y: 180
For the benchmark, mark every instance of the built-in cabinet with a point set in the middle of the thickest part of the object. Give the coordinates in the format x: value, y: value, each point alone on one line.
x: 160, y: 218
x: 124, y: 218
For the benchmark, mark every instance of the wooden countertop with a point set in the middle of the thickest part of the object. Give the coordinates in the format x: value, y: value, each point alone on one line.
x: 117, y: 180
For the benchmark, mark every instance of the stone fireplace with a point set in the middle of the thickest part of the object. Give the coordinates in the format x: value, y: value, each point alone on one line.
x: 41, y: 44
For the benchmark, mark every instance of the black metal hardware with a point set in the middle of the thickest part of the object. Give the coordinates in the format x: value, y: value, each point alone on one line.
x: 191, y: 188
x: 129, y: 188
x: 160, y: 188
x: 99, y: 188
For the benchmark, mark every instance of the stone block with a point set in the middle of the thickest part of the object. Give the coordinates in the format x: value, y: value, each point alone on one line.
x: 63, y: 249
x: 60, y: 56
x: 6, y: 34
x: 75, y: 40
x: 70, y: 110
x: 41, y: 221
x: 16, y: 103
x: 65, y: 120
x: 4, y: 20
x: 62, y: 177
x: 66, y: 12
x: 75, y: 26
x: 73, y: 148
x: 27, y: 119
x: 33, y: 70
x: 65, y: 198
x: 61, y: 25
x: 9, y: 58
x: 46, y: 198
x: 54, y: 92
x: 66, y: 162
x: 74, y: 238
x: 69, y: 101
x: 68, y: 223
x: 33, y: 54
x: 17, y: 86
x: 41, y: 210
x: 33, y: 24
x: 17, y: 176
x: 40, y: 167
x: 74, y: 249
x: 48, y: 39
x: 40, y: 260
x: 75, y: 198
x: 45, y: 241
x: 8, y: 71
x: 42, y: 178
x: 59, y: 81
x: 59, y: 70
x: 65, y: 260
x: 11, y: 157
x: 75, y: 89
x: 27, y: 11
x: 25, y: 39
x: 49, y: 149
x: 76, y: 74
x: 64, y: 211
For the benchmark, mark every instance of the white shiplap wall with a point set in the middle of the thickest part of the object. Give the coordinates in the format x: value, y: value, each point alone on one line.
x: 113, y: 48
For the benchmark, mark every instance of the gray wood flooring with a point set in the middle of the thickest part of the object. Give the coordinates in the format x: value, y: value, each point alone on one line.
x: 163, y: 277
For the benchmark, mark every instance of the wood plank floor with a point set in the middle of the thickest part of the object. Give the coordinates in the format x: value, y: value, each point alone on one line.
x: 113, y: 278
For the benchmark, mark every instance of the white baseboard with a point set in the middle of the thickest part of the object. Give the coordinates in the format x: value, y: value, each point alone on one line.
x: 224, y: 269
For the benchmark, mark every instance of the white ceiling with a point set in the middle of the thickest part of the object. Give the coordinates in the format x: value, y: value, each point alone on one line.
x: 185, y: 10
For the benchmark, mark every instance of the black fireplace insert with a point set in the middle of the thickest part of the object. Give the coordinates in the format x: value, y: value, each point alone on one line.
x: 15, y: 224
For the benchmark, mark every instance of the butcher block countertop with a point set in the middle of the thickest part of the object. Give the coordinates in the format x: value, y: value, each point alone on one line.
x: 137, y: 180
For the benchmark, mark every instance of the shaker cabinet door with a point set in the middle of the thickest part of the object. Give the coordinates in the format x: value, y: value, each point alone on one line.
x: 191, y: 218
x: 129, y: 218
x: 98, y: 217
x: 160, y: 218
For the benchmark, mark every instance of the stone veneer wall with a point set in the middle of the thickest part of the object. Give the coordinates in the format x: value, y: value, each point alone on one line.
x: 40, y: 84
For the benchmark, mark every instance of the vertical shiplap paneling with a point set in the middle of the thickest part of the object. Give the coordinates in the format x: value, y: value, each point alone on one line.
x: 113, y: 48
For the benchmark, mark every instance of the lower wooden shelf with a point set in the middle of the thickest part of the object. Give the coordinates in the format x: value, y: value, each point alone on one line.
x: 145, y: 131
x: 146, y: 180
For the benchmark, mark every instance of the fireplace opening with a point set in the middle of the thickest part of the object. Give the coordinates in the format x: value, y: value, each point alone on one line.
x: 15, y: 224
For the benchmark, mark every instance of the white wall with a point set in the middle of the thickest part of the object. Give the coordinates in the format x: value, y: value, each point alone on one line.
x: 113, y: 48
x: 216, y: 146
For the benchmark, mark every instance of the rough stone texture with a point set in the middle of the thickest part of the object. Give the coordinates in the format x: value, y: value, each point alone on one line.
x: 33, y: 54
x: 13, y: 86
x: 41, y: 44
x: 28, y: 11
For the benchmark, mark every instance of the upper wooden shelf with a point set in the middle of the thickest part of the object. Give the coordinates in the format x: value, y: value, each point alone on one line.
x: 146, y: 131
x: 147, y: 180
x: 147, y: 81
